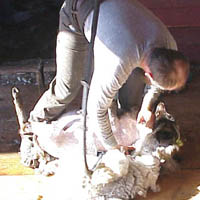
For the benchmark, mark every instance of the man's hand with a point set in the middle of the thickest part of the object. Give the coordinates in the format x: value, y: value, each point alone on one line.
x: 147, y: 117
x: 125, y: 149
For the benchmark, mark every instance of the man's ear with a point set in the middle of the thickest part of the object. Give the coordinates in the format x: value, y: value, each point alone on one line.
x: 149, y: 77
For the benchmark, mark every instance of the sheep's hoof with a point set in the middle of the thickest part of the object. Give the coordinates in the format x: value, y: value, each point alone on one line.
x: 156, y: 188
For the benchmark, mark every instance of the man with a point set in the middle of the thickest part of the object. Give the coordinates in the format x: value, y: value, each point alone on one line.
x: 128, y: 36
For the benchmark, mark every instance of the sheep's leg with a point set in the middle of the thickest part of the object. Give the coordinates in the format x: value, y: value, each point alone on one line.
x: 32, y: 155
x: 19, y: 108
x: 154, y: 187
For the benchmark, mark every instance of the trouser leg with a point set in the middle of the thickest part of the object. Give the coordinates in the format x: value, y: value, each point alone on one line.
x: 132, y: 92
x: 71, y: 56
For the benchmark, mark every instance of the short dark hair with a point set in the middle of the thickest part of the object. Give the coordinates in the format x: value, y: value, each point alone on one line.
x: 161, y: 62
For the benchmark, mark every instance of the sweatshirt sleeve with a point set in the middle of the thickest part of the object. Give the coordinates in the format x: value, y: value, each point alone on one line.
x: 107, y: 80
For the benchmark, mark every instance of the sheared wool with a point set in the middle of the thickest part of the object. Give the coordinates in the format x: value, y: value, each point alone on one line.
x: 116, y: 177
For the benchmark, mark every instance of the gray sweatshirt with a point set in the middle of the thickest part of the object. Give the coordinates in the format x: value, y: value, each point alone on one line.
x: 126, y: 30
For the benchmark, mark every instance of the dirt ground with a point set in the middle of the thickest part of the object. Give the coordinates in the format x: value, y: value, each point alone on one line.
x: 36, y: 38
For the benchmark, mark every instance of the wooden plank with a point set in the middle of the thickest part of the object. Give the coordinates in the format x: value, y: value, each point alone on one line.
x: 157, y: 3
x: 175, y: 12
x: 10, y: 165
x: 186, y: 16
x: 183, y: 20
x: 185, y: 3
x: 170, y: 3
x: 29, y: 65
x: 188, y: 41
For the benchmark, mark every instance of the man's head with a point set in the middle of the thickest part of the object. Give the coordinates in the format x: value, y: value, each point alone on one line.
x: 167, y: 68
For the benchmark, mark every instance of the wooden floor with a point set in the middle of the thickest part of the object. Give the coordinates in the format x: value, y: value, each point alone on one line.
x: 16, y: 181
x: 10, y: 165
x: 20, y: 187
x: 20, y: 183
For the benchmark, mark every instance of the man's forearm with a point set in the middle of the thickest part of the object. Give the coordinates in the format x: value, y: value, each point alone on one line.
x: 151, y: 98
x: 107, y: 136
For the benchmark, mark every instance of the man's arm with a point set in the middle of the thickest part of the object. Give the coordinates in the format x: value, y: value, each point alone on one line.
x: 108, y: 77
x: 146, y: 113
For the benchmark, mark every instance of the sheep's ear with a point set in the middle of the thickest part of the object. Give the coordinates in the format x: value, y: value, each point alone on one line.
x: 160, y: 109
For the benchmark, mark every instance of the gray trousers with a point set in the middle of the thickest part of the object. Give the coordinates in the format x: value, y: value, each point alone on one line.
x: 71, y: 58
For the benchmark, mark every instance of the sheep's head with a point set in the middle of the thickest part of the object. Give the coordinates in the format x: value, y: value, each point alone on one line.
x: 165, y: 127
x: 164, y: 138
